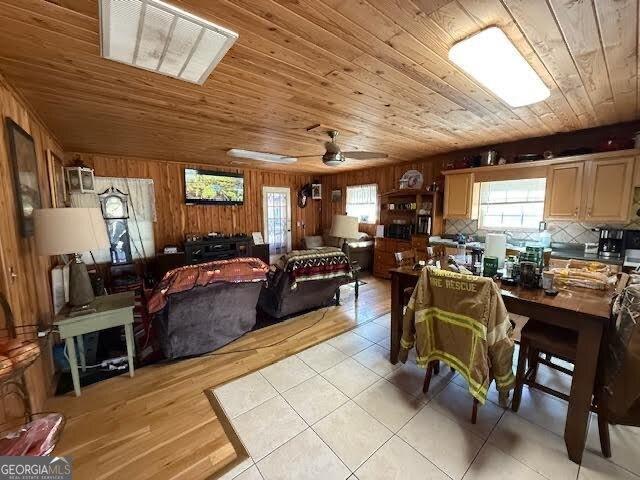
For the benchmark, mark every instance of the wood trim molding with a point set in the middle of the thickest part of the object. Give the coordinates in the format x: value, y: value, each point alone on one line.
x: 633, y: 152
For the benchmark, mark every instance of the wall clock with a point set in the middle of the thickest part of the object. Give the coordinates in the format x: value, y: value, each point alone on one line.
x: 115, y: 210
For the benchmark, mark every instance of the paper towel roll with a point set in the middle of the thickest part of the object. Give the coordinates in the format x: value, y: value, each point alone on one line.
x: 496, y: 246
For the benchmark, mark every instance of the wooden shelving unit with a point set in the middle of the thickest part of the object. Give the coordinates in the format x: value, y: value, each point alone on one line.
x: 419, y: 199
x: 404, y: 206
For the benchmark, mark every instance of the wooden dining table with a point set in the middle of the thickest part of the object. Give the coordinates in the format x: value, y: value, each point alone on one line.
x: 582, y: 310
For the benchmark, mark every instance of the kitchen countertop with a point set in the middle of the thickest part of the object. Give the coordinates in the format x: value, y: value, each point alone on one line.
x: 561, y: 253
x: 580, y: 255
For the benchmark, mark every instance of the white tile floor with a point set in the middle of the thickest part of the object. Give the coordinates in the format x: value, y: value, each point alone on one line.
x: 340, y: 410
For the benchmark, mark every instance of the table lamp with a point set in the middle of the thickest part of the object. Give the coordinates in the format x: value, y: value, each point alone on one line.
x: 60, y: 231
x: 345, y: 227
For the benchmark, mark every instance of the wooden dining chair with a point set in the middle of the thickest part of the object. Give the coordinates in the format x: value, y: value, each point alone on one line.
x: 436, y: 251
x: 553, y: 342
x: 433, y: 366
x: 406, y: 258
x: 539, y: 338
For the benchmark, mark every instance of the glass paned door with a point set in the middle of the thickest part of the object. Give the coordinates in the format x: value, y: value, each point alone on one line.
x: 277, y: 219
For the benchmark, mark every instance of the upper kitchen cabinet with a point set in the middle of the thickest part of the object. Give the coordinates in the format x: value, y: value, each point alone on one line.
x: 592, y: 188
x: 563, y: 197
x: 608, y: 190
x: 458, y: 196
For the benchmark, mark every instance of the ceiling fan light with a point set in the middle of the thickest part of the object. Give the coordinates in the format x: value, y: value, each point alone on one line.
x: 492, y: 59
x: 333, y: 159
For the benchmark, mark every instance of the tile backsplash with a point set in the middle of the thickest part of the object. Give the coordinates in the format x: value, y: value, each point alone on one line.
x: 561, y: 232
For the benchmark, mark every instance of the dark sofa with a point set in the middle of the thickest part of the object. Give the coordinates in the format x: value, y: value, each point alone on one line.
x: 199, y: 308
x: 359, y: 250
x: 207, y: 317
x: 278, y: 299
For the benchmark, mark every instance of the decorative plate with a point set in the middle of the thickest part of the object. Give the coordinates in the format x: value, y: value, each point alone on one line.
x: 412, y: 179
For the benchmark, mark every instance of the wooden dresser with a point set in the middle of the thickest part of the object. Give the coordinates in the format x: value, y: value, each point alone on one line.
x: 385, y: 249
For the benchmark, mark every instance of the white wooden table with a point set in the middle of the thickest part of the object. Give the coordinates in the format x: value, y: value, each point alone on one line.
x: 110, y: 311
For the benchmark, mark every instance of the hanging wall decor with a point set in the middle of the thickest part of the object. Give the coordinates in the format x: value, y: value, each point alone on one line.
x: 412, y: 179
x: 57, y: 181
x: 25, y: 175
x: 81, y: 180
x: 303, y: 195
x: 316, y: 191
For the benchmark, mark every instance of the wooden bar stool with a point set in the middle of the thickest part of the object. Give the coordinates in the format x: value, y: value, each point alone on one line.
x: 551, y: 341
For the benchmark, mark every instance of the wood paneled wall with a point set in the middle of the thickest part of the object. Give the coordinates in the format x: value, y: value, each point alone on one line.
x: 175, y: 219
x: 388, y: 177
x: 29, y: 292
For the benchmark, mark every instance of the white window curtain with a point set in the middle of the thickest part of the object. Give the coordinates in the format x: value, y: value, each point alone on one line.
x: 362, y: 202
x: 142, y: 213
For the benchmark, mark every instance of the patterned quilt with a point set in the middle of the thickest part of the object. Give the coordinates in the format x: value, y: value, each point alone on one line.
x: 306, y: 265
x: 236, y: 270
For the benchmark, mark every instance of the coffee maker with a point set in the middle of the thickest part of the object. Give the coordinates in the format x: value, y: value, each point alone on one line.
x: 611, y: 243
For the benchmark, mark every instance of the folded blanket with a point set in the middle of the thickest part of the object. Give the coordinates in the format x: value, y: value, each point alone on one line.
x: 306, y: 265
x: 236, y: 270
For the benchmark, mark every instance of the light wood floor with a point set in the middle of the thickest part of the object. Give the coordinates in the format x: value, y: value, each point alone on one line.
x: 160, y: 424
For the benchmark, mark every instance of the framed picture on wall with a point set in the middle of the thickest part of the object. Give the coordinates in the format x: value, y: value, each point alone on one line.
x: 22, y: 151
x: 336, y: 195
x: 316, y: 191
x: 57, y: 183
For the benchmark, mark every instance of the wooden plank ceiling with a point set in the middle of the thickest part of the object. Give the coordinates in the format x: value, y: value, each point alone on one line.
x: 375, y: 69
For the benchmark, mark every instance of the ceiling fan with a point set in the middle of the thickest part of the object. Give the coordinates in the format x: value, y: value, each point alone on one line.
x: 334, y: 156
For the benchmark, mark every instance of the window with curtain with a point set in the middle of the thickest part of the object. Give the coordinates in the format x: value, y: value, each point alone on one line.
x: 142, y: 214
x: 362, y: 202
x: 512, y: 204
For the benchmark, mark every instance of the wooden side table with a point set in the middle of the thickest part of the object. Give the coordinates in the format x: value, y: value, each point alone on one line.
x: 110, y: 311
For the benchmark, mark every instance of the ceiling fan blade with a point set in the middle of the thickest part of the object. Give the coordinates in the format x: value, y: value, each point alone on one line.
x: 357, y: 155
x: 309, y: 156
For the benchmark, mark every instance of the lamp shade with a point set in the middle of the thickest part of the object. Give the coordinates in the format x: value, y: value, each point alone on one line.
x: 69, y: 230
x: 344, y: 226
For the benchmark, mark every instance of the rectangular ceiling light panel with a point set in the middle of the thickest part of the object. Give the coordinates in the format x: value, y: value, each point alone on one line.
x: 491, y: 58
x: 159, y: 37
x: 260, y: 156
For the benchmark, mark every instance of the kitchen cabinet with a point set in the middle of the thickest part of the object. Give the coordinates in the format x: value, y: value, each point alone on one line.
x: 636, y: 173
x: 458, y: 196
x: 593, y: 188
x: 563, y: 196
x: 608, y: 190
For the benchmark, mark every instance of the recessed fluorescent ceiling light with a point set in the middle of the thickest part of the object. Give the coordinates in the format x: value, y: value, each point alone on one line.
x: 261, y: 156
x: 491, y: 58
x: 156, y: 36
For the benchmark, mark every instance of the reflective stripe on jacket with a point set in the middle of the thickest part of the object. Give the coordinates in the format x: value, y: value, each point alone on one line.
x: 460, y: 320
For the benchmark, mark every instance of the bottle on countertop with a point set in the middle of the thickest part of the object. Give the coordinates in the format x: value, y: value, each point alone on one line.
x: 545, y: 236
